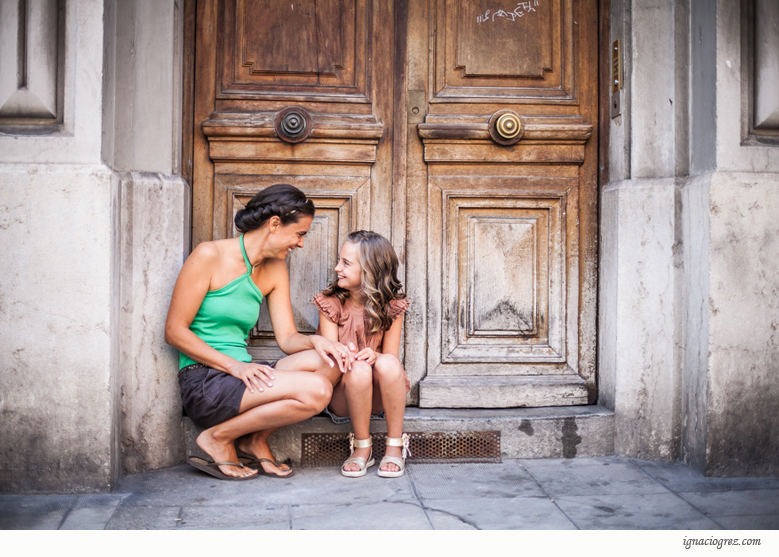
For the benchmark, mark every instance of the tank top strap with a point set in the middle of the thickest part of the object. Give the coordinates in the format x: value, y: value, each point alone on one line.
x: 245, y: 257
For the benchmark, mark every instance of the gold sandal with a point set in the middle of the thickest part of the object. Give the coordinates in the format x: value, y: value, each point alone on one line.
x: 401, y: 441
x: 364, y: 464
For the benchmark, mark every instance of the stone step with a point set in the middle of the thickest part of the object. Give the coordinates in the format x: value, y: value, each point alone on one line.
x: 552, y: 432
x: 502, y: 391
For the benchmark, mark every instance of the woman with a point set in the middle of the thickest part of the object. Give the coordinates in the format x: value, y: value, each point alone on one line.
x: 215, y: 303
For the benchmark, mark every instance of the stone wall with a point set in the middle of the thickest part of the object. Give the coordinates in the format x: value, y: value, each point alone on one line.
x: 688, y: 318
x: 94, y: 224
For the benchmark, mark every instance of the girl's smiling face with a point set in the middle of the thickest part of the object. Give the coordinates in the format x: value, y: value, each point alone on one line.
x: 348, y: 269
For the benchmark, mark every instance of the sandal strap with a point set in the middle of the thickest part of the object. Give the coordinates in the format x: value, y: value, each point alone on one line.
x: 358, y: 460
x: 399, y: 462
x: 238, y: 464
x: 401, y: 441
x: 358, y: 443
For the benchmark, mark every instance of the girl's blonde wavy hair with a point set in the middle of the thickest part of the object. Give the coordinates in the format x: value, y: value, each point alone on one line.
x: 379, y: 279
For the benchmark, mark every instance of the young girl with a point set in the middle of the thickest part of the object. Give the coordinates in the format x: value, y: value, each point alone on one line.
x: 363, y: 310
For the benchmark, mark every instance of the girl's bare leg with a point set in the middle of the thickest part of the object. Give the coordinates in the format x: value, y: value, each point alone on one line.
x: 353, y: 397
x: 390, y: 380
x: 294, y: 397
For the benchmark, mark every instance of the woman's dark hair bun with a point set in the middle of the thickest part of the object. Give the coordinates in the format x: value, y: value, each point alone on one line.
x: 279, y: 200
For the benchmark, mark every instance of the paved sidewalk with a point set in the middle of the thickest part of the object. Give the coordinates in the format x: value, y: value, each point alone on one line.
x: 606, y: 493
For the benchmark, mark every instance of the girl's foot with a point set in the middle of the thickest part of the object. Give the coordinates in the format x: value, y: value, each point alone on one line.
x: 358, y: 453
x: 360, y: 457
x: 394, y: 466
x: 391, y: 466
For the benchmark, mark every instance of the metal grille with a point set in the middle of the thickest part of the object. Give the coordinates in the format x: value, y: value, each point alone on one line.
x: 331, y: 449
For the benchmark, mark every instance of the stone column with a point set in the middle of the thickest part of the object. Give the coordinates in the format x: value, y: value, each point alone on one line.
x: 142, y: 143
x: 731, y: 210
x: 59, y: 228
x: 639, y: 333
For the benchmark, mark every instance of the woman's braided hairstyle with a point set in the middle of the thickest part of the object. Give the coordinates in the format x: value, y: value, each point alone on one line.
x: 279, y: 200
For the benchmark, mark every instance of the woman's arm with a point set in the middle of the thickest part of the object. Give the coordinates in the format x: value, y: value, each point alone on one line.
x: 287, y: 336
x: 191, y: 287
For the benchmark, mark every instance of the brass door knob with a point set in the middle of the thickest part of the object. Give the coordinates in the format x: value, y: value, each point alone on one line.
x: 506, y: 127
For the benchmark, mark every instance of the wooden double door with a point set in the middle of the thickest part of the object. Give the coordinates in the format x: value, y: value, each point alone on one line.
x: 463, y: 131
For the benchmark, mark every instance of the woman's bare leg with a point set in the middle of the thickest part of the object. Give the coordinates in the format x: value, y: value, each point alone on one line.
x: 353, y: 397
x: 294, y: 397
x: 310, y: 360
x: 390, y: 380
x: 256, y: 443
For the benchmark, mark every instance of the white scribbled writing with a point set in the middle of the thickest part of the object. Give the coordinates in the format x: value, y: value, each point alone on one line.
x: 521, y: 9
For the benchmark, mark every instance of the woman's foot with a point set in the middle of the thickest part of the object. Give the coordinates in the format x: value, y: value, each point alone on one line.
x: 256, y: 446
x: 222, y: 451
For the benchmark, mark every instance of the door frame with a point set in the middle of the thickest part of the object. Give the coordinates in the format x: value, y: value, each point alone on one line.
x: 400, y: 97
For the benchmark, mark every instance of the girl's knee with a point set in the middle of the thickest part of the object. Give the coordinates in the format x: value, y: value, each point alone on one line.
x: 388, y: 366
x: 361, y: 375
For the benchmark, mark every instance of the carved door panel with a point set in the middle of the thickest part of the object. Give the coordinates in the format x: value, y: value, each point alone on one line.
x: 388, y: 115
x: 295, y: 92
x: 504, y: 187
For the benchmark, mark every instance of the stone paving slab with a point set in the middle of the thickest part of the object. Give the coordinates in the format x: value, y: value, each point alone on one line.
x: 235, y: 518
x: 632, y: 511
x: 145, y: 518
x: 735, y: 503
x: 677, y: 477
x: 400, y: 515
x: 515, y: 513
x: 591, y: 476
x: 764, y: 522
x: 466, y: 481
x: 34, y: 512
x: 91, y: 512
x: 312, y: 486
x: 606, y: 493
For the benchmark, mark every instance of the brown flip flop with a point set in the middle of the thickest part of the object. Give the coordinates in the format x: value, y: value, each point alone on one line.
x: 256, y: 463
x: 212, y: 469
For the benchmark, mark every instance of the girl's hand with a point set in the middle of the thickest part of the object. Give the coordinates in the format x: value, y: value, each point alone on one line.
x: 367, y: 355
x: 253, y: 375
x: 330, y: 350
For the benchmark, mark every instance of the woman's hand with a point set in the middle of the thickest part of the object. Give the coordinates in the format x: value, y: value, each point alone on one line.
x: 253, y: 375
x: 366, y: 355
x: 330, y: 350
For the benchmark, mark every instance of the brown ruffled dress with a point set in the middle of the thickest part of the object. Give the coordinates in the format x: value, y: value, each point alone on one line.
x: 351, y: 320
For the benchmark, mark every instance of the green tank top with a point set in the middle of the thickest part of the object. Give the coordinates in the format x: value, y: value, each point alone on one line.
x: 227, y: 315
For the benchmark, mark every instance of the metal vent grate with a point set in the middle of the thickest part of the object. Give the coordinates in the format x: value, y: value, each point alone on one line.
x: 331, y: 449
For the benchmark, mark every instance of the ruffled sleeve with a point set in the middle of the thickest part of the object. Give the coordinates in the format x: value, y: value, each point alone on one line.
x: 398, y: 308
x: 330, y: 306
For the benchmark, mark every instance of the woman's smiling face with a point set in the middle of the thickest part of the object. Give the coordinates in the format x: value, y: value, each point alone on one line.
x: 348, y: 269
x: 291, y: 236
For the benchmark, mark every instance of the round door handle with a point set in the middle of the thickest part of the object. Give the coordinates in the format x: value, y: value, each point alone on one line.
x: 506, y: 127
x: 293, y: 124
